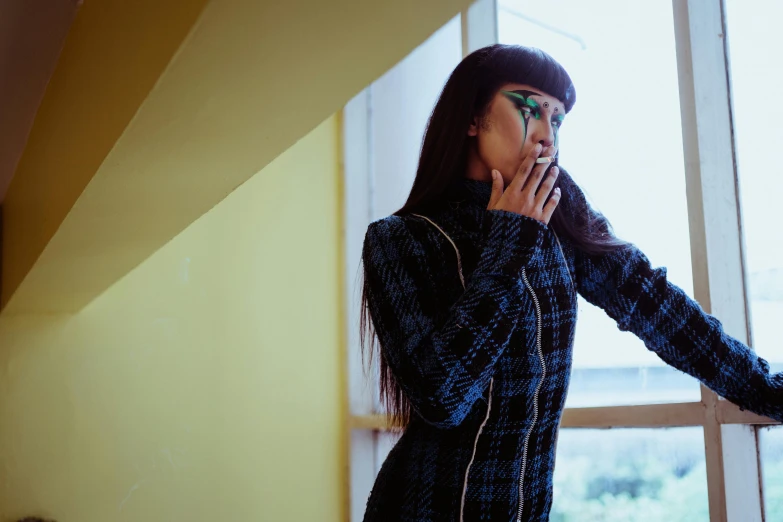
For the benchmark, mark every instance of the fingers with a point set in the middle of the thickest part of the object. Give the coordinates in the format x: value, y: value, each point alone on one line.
x: 550, y: 206
x: 524, y: 170
x: 497, y: 189
x: 546, y: 187
x: 526, y: 194
x: 534, y: 179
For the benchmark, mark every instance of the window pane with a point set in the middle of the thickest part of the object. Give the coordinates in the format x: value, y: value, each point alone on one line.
x: 633, y: 121
x: 630, y: 476
x: 771, y: 453
x: 754, y: 45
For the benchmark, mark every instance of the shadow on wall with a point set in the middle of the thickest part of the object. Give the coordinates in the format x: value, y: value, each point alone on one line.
x: 1, y: 254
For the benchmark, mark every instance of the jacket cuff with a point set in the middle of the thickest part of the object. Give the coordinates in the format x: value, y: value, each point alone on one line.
x: 510, y: 243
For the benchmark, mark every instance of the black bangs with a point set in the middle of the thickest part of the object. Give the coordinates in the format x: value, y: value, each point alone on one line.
x: 531, y: 66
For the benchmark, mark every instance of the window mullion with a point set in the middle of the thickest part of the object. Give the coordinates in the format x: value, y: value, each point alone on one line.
x: 716, y: 245
x: 358, y: 212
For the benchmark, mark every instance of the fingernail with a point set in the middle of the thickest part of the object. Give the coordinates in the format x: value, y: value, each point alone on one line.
x: 557, y: 190
x: 495, y: 174
x: 538, y: 147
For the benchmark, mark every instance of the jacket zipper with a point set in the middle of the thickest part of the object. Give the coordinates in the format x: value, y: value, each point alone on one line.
x: 473, y: 456
x: 535, y: 397
x: 491, y: 380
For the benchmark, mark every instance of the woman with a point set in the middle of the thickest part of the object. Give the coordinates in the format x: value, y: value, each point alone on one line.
x: 471, y: 289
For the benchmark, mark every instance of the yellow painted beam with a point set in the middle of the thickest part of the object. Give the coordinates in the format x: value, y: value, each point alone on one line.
x: 250, y: 79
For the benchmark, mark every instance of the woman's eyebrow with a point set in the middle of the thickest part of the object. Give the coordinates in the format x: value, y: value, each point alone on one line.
x: 526, y: 94
x: 526, y: 97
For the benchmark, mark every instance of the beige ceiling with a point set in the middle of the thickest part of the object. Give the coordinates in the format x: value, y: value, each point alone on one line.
x: 157, y: 110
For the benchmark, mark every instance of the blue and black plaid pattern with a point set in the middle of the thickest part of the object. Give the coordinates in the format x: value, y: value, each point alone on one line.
x: 445, y: 344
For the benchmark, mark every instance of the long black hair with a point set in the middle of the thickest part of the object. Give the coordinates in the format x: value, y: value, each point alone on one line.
x: 444, y: 153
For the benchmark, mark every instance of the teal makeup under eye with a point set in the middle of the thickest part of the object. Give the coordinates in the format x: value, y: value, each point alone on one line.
x: 535, y: 107
x: 557, y: 121
x: 526, y: 106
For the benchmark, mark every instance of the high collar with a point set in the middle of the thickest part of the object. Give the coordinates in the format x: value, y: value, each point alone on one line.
x: 469, y: 193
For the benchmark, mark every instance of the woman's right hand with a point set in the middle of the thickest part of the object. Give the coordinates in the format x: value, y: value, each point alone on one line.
x: 520, y: 196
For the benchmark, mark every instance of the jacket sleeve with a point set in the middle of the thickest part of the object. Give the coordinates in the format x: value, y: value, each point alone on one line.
x: 443, y: 366
x: 641, y: 300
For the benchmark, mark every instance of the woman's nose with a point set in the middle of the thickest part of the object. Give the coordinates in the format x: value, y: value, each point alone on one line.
x: 544, y: 134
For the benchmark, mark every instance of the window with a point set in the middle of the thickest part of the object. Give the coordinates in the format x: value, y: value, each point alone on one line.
x: 654, y: 102
x: 622, y: 144
x: 771, y: 452
x: 630, y: 476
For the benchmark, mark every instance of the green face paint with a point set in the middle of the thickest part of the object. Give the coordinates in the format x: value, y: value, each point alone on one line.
x: 528, y: 108
x: 557, y: 121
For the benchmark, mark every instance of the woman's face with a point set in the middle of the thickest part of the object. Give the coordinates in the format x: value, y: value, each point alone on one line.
x: 518, y: 117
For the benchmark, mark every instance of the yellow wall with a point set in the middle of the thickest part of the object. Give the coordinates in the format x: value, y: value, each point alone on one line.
x: 205, y: 385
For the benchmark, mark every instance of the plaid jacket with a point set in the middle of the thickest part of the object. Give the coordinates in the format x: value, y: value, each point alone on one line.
x: 486, y: 361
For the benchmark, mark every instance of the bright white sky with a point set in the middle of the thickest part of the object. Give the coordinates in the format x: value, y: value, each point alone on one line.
x: 621, y: 57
